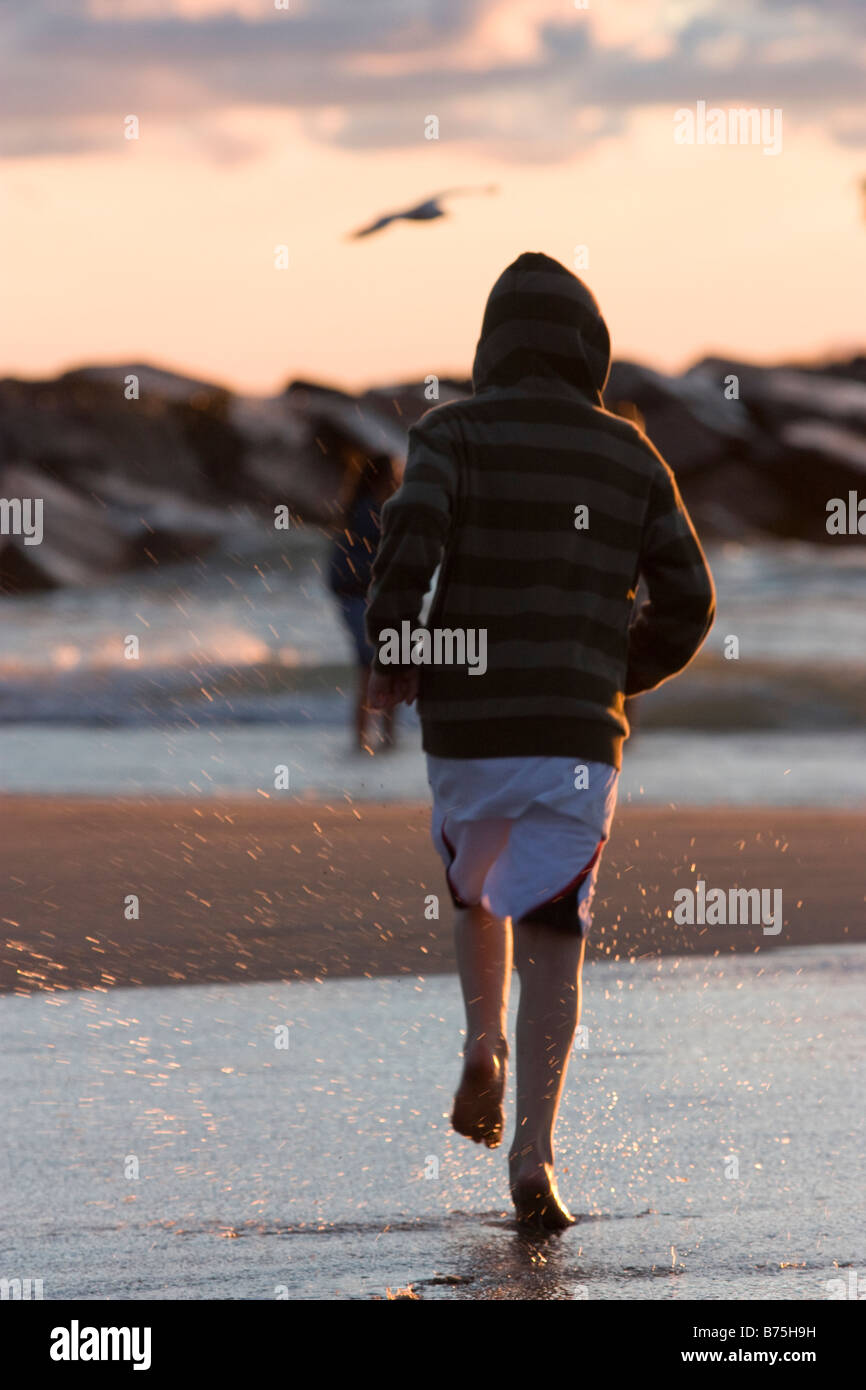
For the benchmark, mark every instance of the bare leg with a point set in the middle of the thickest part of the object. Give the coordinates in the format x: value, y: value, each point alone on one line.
x: 484, y: 960
x: 361, y: 709
x: 388, y: 739
x: 549, y: 962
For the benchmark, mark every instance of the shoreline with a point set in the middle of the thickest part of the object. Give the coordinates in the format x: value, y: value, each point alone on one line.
x: 238, y: 888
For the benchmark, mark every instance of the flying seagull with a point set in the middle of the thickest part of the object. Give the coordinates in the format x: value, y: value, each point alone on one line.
x: 422, y: 212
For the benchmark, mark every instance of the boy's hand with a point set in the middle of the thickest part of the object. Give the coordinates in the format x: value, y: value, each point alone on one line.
x: 387, y: 689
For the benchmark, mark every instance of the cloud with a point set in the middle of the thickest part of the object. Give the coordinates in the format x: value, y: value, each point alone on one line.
x: 69, y: 73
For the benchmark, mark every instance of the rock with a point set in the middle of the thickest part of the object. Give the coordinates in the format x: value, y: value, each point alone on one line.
x: 163, y: 477
x: 360, y: 422
x: 774, y: 396
x: 688, y: 418
x: 79, y: 543
x: 406, y: 403
x: 75, y: 425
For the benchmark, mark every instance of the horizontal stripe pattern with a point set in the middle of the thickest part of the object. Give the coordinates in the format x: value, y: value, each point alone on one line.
x: 490, y: 491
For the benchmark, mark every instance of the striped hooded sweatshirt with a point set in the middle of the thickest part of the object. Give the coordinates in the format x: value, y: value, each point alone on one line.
x: 543, y: 509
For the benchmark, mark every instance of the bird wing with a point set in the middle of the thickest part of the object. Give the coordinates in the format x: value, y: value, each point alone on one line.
x: 431, y: 205
x: 375, y: 226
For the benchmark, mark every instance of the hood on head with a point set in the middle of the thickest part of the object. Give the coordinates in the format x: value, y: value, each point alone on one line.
x: 542, y: 321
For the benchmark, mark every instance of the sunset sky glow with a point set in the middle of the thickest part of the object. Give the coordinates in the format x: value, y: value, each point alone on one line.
x: 261, y: 127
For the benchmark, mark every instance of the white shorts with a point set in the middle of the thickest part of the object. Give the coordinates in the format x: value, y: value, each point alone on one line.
x: 523, y: 836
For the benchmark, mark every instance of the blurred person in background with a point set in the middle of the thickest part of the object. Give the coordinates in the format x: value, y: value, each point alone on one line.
x: 350, y: 563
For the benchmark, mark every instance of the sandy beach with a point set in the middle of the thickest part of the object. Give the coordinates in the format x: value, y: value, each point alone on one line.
x: 251, y: 890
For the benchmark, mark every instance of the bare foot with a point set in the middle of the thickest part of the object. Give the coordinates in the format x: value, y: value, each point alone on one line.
x: 478, y: 1103
x: 536, y: 1198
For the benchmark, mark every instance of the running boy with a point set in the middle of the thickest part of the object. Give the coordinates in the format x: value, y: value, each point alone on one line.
x: 544, y: 509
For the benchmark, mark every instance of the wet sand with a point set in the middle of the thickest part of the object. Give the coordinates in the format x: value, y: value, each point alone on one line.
x: 258, y: 889
x: 162, y: 1143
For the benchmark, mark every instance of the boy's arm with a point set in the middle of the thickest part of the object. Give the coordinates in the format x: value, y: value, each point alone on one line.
x: 415, y: 524
x: 670, y: 627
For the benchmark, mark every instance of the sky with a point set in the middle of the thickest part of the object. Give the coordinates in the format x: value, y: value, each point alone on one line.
x: 261, y: 127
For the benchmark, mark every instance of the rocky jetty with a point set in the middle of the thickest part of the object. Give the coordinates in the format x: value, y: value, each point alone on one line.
x: 140, y: 466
